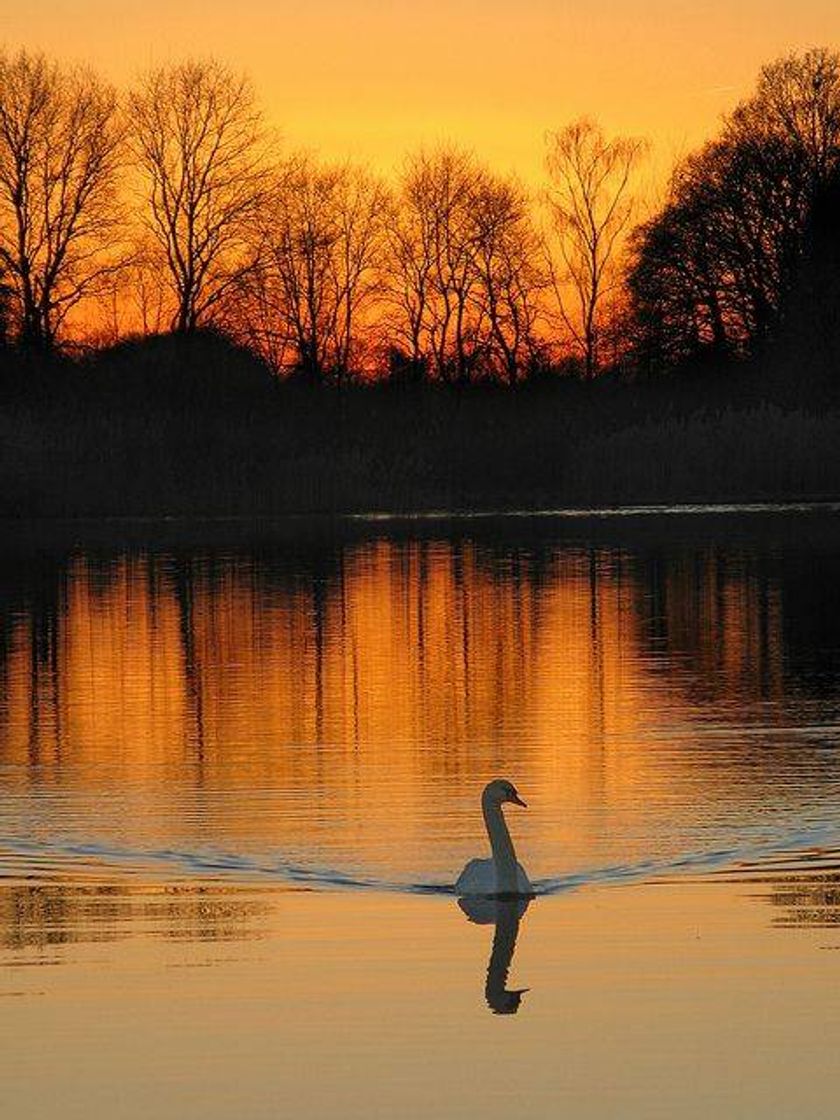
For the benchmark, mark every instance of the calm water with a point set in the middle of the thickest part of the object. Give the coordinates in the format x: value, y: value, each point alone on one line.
x: 240, y: 767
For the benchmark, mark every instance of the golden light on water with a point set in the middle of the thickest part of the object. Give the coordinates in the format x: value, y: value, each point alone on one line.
x: 301, y: 711
x: 637, y: 997
x: 238, y: 779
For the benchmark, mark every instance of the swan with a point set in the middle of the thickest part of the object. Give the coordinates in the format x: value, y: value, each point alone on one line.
x: 501, y: 874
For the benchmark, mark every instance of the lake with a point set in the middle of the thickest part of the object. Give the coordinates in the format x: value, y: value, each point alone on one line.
x: 240, y: 768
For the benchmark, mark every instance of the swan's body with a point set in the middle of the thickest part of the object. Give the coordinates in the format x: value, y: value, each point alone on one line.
x: 479, y: 877
x: 501, y: 874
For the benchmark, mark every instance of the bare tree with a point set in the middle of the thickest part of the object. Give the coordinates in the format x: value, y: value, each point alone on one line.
x: 432, y: 246
x: 464, y: 269
x: 60, y: 151
x: 134, y: 299
x: 197, y: 136
x: 411, y: 264
x: 321, y: 245
x: 252, y: 313
x: 509, y: 280
x: 591, y: 206
x: 448, y: 179
x: 798, y: 98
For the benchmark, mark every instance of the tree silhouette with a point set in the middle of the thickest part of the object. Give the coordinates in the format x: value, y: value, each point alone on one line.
x: 6, y: 296
x: 591, y: 208
x: 60, y: 152
x: 434, y: 244
x: 197, y: 139
x: 464, y: 272
x: 714, y: 269
x: 509, y: 279
x: 321, y: 239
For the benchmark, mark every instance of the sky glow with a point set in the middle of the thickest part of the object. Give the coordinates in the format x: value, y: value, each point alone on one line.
x: 371, y: 79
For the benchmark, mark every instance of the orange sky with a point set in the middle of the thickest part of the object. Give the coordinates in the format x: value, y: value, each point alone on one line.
x: 372, y: 79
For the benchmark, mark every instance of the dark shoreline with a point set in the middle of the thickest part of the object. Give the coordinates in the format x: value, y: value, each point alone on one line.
x: 809, y: 527
x: 199, y: 428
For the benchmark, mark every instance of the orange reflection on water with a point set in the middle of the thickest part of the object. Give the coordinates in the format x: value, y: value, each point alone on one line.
x: 414, y: 643
x: 651, y: 1000
x: 379, y: 685
x: 177, y: 729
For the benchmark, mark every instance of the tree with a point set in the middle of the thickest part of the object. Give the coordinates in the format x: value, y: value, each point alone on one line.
x: 713, y: 266
x: 317, y: 270
x: 509, y: 281
x: 713, y: 271
x: 591, y: 208
x: 798, y: 98
x: 674, y: 289
x: 463, y: 269
x: 411, y: 261
x: 60, y: 154
x: 6, y: 296
x: 433, y: 243
x: 198, y: 140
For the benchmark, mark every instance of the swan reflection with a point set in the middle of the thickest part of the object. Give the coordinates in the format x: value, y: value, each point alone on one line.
x: 505, y: 914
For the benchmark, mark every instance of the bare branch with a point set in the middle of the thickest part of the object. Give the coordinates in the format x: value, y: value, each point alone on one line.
x: 198, y: 139
x: 591, y: 207
x: 60, y: 156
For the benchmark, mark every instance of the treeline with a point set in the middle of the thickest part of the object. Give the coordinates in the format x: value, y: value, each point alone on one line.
x: 747, y: 223
x: 171, y: 207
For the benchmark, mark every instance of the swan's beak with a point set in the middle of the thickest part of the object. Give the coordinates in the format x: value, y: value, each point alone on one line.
x: 517, y: 800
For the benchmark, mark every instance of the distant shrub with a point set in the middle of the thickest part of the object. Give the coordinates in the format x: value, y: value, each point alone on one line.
x: 203, y: 370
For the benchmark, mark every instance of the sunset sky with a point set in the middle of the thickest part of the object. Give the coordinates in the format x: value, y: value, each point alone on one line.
x: 371, y: 79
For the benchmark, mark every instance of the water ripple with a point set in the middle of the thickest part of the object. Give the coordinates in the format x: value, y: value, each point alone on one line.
x: 26, y: 857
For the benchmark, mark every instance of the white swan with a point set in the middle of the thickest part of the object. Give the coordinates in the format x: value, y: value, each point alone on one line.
x: 501, y: 874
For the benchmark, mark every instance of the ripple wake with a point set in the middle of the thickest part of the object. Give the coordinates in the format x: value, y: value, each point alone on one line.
x: 36, y: 858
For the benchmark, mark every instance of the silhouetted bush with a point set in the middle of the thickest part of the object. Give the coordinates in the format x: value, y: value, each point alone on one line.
x: 803, y: 368
x: 203, y: 370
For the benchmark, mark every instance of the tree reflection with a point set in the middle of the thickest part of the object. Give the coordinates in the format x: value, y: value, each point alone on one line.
x: 38, y: 915
x: 807, y: 898
x: 389, y: 662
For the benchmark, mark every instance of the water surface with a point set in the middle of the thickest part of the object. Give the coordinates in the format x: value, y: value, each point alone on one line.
x: 240, y: 769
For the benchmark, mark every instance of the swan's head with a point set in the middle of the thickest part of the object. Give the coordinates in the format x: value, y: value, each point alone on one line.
x: 500, y: 791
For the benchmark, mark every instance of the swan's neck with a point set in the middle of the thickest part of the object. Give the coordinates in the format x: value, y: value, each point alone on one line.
x: 504, y: 856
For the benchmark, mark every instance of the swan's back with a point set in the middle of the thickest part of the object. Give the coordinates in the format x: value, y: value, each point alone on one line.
x: 479, y: 877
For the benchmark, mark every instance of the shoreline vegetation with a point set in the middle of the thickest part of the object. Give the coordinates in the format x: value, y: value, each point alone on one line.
x: 309, y: 339
x: 196, y: 426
